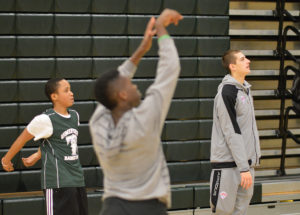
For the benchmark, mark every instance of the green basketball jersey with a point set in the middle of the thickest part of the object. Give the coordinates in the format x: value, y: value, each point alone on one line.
x: 60, y: 162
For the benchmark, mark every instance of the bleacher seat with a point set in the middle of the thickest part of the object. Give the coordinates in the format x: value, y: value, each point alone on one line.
x: 201, y: 196
x: 134, y: 43
x: 184, y: 7
x: 219, y: 44
x: 10, y: 181
x: 27, y: 111
x: 84, y: 136
x: 93, y: 177
x: 87, y: 156
x: 74, y: 68
x: 189, y: 109
x: 9, y: 91
x: 34, y: 24
x: 7, y: 5
x: 208, y: 7
x: 109, y: 25
x: 67, y: 46
x: 146, y: 68
x: 144, y: 7
x: 33, y: 46
x: 69, y: 24
x: 211, y: 66
x: 35, y: 68
x: 7, y: 46
x: 136, y: 24
x: 73, y: 6
x: 186, y: 46
x: 25, y: 206
x: 8, y: 68
x: 184, y: 109
x: 34, y: 6
x: 209, y: 83
x: 187, y: 150
x: 213, y: 26
x: 110, y: 46
x: 8, y: 135
x: 30, y: 180
x: 109, y: 6
x: 101, y: 65
x: 31, y: 91
x: 186, y: 27
x: 82, y: 89
x: 85, y: 110
x: 7, y: 23
x: 187, y: 88
x: 182, y: 198
x: 189, y: 172
x: 9, y: 113
x: 187, y: 130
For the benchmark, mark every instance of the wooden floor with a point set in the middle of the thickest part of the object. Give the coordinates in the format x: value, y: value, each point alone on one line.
x: 278, y: 208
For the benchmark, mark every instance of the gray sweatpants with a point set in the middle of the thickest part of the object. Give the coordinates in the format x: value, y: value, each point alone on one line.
x: 226, y: 194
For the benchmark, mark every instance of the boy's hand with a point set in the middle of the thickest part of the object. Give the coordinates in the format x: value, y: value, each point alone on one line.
x: 32, y: 159
x: 7, y: 165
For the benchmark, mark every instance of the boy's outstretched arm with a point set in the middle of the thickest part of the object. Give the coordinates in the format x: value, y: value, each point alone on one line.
x: 24, y: 137
x: 32, y: 159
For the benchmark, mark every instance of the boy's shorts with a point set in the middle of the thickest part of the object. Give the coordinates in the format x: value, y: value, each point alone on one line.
x: 66, y: 201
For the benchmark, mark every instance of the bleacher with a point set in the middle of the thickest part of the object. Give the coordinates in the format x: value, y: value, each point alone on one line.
x: 80, y: 39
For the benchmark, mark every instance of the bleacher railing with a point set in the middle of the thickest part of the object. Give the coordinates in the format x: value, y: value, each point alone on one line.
x: 282, y: 90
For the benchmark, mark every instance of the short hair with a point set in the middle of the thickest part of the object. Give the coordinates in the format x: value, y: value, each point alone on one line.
x: 103, y: 89
x: 51, y: 87
x: 229, y: 58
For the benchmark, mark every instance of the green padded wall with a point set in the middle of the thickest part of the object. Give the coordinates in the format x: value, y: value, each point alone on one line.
x: 79, y: 40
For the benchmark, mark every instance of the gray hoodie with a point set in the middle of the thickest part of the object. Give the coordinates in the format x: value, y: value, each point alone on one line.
x: 130, y: 153
x: 234, y: 133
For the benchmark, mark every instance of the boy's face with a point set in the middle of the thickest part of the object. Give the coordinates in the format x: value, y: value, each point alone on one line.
x: 63, y: 95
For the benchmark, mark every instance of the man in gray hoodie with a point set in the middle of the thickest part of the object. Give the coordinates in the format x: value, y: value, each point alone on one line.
x: 235, y: 147
x: 126, y: 132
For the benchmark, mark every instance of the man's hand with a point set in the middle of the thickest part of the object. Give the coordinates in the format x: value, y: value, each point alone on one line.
x: 7, y: 165
x: 246, y: 180
x: 148, y: 35
x: 169, y: 16
x: 146, y: 42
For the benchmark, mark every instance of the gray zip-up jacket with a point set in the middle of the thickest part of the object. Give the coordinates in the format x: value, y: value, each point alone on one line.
x: 234, y: 133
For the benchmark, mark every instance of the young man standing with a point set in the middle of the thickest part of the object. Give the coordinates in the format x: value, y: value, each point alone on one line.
x: 235, y: 147
x: 126, y: 132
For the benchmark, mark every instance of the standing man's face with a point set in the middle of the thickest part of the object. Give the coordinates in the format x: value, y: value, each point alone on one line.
x: 242, y: 64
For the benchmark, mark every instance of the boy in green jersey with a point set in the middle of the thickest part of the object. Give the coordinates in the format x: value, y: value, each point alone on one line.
x: 61, y: 176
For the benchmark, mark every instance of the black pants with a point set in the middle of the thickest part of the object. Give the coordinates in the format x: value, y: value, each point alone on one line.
x: 66, y: 201
x: 118, y: 206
